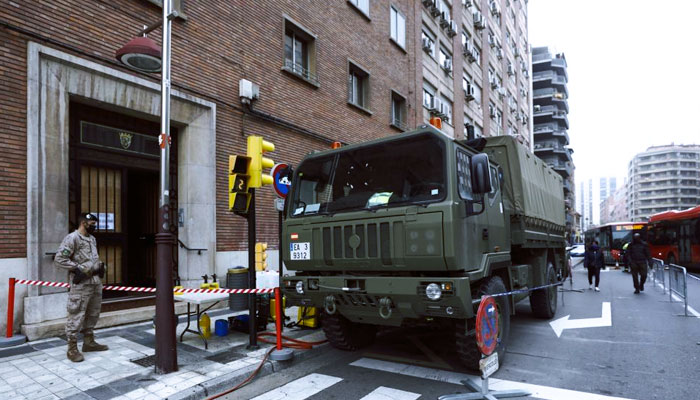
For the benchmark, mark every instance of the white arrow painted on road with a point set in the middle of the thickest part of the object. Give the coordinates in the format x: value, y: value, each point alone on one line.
x: 566, y: 323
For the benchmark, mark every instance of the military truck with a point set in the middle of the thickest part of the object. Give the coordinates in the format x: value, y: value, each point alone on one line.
x: 415, y: 228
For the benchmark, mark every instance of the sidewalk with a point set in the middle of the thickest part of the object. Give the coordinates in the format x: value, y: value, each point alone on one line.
x: 39, y: 370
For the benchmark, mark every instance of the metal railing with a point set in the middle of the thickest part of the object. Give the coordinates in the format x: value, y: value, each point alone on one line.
x: 657, y: 273
x: 678, y: 284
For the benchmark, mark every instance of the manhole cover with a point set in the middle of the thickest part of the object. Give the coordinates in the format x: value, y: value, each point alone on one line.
x: 147, y: 361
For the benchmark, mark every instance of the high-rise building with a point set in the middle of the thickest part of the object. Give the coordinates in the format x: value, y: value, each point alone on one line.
x: 473, y: 66
x: 663, y: 178
x: 550, y: 109
x: 614, y: 207
x: 603, y: 189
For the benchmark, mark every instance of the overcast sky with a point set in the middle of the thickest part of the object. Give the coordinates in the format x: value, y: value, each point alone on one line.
x: 634, y: 75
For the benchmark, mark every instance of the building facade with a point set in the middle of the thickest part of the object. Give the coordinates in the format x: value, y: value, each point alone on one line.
x: 79, y: 129
x: 663, y: 178
x: 614, y: 207
x: 551, y: 124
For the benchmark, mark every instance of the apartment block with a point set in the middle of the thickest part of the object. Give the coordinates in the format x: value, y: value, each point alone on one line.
x: 551, y: 123
x: 663, y: 178
x: 473, y: 67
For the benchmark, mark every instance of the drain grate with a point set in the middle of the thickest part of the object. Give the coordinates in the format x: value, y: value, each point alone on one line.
x: 147, y: 361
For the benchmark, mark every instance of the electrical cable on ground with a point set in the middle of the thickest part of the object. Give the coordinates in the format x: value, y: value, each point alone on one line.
x: 290, y: 343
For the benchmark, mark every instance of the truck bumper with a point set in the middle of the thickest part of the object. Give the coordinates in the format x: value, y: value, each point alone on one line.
x: 363, y: 299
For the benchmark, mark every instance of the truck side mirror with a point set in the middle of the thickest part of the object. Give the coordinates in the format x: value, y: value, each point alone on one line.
x: 481, y: 175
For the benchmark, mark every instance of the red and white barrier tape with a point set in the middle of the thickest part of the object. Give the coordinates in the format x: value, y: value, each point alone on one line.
x: 147, y: 290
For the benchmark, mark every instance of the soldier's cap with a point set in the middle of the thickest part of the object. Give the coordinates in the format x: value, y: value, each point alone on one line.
x: 89, y: 217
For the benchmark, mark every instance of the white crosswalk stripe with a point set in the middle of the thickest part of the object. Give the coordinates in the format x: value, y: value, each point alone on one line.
x: 385, y: 393
x: 541, y: 392
x: 301, y: 388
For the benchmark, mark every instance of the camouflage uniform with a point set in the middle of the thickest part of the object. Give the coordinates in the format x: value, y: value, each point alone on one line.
x: 85, y: 298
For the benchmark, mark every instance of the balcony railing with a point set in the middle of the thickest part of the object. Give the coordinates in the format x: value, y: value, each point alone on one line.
x: 300, y: 70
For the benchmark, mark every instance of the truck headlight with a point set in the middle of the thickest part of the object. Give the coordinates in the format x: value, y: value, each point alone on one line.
x: 300, y: 287
x: 433, y: 291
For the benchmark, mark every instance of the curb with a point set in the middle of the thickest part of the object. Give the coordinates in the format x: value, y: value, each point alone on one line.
x: 227, y: 381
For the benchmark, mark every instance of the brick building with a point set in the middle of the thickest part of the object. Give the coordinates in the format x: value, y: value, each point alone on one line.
x: 79, y: 129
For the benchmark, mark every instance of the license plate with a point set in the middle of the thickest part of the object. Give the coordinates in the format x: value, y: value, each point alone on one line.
x: 300, y: 251
x: 488, y: 365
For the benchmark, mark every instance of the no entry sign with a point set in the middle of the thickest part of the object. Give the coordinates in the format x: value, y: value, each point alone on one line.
x: 487, y: 326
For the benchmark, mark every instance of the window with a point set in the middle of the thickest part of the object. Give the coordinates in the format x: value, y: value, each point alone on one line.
x: 358, y: 86
x: 478, y: 131
x: 398, y: 27
x: 362, y: 5
x: 398, y: 110
x: 428, y: 44
x: 477, y: 53
x: 477, y: 94
x: 428, y: 95
x: 445, y: 9
x: 299, y: 52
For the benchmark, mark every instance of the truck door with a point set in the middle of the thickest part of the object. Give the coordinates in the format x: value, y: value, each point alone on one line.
x: 496, y: 220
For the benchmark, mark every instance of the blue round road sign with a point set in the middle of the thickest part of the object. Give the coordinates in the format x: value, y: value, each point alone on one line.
x: 487, y: 326
x: 281, y: 183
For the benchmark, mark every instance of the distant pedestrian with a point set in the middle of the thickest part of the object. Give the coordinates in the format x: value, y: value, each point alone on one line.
x: 78, y: 254
x: 593, y: 260
x: 638, y: 257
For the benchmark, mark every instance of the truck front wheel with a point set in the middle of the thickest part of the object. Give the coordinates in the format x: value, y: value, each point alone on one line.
x: 465, y: 339
x: 346, y: 335
x: 544, y: 301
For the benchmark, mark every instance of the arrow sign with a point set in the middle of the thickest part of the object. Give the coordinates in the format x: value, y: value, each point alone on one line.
x: 565, y: 323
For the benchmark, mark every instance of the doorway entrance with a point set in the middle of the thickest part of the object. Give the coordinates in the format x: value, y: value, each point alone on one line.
x: 114, y: 174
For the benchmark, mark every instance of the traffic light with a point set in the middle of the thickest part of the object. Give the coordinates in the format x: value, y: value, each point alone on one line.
x: 256, y: 148
x: 238, y: 182
x: 260, y: 256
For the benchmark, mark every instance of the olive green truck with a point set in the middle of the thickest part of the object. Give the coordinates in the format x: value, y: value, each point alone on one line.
x: 415, y: 228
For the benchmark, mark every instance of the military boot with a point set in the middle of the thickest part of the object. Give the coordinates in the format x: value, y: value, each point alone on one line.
x: 73, y: 354
x: 89, y: 344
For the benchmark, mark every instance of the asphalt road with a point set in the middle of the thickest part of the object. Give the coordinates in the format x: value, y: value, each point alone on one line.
x: 648, y: 352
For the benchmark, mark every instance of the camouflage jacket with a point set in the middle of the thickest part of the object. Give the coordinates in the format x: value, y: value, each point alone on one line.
x: 79, y: 251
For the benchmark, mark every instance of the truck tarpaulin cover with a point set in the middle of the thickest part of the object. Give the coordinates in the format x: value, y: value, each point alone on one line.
x: 530, y: 187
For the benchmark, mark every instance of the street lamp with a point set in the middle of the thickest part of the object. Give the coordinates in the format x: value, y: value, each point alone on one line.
x: 143, y: 54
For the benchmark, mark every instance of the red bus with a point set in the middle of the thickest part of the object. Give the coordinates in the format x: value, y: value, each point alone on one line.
x: 611, y: 237
x: 674, y: 236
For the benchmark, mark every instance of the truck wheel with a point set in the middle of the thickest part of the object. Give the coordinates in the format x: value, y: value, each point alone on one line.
x: 544, y: 301
x: 346, y: 335
x: 465, y: 342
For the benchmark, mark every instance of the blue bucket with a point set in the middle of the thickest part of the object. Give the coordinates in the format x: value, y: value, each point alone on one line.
x: 221, y: 327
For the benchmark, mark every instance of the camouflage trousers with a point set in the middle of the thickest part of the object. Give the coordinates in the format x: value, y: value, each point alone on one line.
x: 84, y: 301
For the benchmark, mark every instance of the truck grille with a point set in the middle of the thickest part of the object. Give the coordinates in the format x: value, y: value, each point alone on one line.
x: 361, y: 241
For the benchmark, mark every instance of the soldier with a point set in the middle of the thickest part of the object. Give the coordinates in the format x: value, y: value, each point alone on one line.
x: 78, y: 254
x: 638, y: 257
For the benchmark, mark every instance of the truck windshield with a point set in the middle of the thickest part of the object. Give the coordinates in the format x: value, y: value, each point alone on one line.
x: 393, y: 173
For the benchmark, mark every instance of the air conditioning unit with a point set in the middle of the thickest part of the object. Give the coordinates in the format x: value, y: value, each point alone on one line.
x: 435, y: 105
x: 537, y: 107
x: 475, y: 54
x: 524, y: 119
x: 467, y: 3
x: 470, y: 53
x: 428, y: 3
x: 492, y: 40
x: 427, y: 45
x: 466, y: 48
x: 518, y: 117
x: 499, y: 53
x: 501, y: 92
x: 447, y: 65
x: 434, y: 9
x: 516, y: 52
x: 444, y: 20
x: 526, y: 73
x: 511, y: 70
x: 445, y: 111
x: 479, y: 22
x: 494, y: 82
x: 492, y: 111
x: 494, y: 8
x: 452, y: 29
x: 469, y: 92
